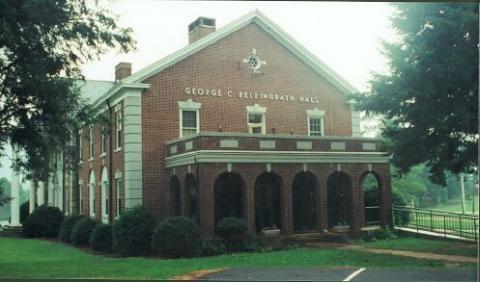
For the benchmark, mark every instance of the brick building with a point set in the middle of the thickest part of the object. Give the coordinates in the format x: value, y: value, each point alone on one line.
x: 243, y: 121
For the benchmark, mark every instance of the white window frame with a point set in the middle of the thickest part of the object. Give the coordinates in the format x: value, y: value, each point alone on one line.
x: 118, y: 188
x: 316, y: 113
x: 118, y: 129
x: 80, y: 196
x: 92, y: 194
x: 259, y: 110
x: 90, y: 142
x: 191, y: 106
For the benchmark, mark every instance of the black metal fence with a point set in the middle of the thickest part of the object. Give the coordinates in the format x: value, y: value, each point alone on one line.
x: 444, y: 223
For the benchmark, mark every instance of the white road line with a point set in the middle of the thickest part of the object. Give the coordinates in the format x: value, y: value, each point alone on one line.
x: 351, y: 276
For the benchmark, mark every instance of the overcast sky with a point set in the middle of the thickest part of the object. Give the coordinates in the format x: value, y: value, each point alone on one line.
x: 346, y: 36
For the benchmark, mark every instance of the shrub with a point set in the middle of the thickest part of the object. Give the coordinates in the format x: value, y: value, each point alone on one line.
x: 233, y: 230
x: 176, y: 237
x: 132, y: 232
x: 67, y: 226
x: 211, y: 248
x: 400, y: 217
x: 379, y: 234
x: 24, y: 211
x: 101, y: 238
x: 44, y: 221
x: 82, y: 230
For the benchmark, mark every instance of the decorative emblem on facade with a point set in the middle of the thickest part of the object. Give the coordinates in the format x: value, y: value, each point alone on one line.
x: 254, y: 61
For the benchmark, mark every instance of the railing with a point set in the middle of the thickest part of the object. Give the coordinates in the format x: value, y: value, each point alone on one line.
x: 442, y: 223
x: 372, y: 215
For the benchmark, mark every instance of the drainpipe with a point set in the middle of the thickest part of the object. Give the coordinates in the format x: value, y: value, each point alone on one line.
x: 110, y: 168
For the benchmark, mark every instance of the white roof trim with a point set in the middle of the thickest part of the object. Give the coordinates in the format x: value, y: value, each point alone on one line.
x: 266, y: 24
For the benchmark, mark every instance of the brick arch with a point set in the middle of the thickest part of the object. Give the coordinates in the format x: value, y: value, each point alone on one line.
x: 340, y: 198
x: 174, y: 196
x: 268, y: 196
x: 304, y: 206
x: 382, y: 187
x: 191, y: 195
x: 229, y: 195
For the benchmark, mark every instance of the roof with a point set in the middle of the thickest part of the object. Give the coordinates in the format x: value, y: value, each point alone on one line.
x: 268, y: 26
x: 93, y: 89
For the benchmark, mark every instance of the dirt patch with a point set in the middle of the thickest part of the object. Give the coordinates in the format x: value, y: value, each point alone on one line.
x: 195, y: 275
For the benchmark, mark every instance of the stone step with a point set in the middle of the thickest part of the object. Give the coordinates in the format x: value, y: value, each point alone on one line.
x: 11, y: 231
x: 330, y: 237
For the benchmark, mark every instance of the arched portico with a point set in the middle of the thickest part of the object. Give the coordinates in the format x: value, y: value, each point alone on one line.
x: 339, y: 197
x: 174, y: 197
x: 191, y: 192
x: 268, y: 187
x: 229, y: 190
x: 304, y: 201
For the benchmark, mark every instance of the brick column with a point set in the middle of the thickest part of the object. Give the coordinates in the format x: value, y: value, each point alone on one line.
x: 357, y: 202
x: 206, y: 199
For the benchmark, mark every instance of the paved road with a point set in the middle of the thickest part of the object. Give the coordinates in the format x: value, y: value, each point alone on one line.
x: 344, y: 274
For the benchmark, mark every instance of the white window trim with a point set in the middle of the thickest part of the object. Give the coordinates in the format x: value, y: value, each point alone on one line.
x: 316, y: 113
x: 118, y: 125
x: 257, y: 109
x: 80, y: 145
x: 117, y: 192
x: 189, y: 105
x: 103, y: 149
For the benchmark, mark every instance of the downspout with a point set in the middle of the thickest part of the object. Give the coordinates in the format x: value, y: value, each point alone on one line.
x: 110, y: 162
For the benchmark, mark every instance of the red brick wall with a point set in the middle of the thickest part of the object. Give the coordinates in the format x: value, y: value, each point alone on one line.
x: 208, y: 173
x: 220, y: 66
x: 97, y: 164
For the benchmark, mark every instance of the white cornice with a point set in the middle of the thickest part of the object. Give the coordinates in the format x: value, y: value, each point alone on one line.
x: 236, y: 156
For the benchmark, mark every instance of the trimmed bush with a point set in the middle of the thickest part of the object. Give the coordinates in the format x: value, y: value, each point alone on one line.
x: 231, y: 227
x: 211, y: 248
x: 132, y: 232
x: 233, y: 230
x: 82, y: 231
x: 44, y: 221
x: 24, y: 211
x: 67, y: 227
x: 176, y: 237
x: 101, y: 238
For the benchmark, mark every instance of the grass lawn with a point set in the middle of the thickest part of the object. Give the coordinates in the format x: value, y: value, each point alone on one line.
x: 455, y: 205
x: 22, y: 258
x: 425, y: 245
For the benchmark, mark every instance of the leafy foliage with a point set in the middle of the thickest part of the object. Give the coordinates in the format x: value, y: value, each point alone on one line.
x: 101, y: 238
x: 44, y: 221
x: 429, y: 100
x: 67, y: 227
x: 43, y: 45
x: 176, y: 237
x: 132, y: 232
x: 82, y: 230
x: 234, y: 231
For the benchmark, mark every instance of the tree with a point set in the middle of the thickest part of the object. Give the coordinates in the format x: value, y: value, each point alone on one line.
x: 43, y: 45
x: 429, y: 100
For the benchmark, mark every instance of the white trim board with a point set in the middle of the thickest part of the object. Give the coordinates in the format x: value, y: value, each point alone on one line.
x: 235, y: 156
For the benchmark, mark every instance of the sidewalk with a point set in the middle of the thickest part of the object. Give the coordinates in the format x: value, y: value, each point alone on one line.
x: 419, y: 255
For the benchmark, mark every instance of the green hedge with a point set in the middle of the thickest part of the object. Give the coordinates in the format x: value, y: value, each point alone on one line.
x: 67, y: 227
x: 176, y: 237
x: 101, y: 238
x: 132, y: 232
x: 45, y: 221
x: 82, y: 231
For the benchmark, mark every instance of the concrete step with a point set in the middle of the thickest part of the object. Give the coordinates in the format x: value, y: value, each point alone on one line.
x: 11, y: 231
x: 329, y: 237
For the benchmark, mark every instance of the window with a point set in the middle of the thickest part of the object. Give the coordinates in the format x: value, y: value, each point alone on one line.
x: 316, y: 127
x: 315, y: 122
x: 189, y: 117
x: 80, y: 147
x: 189, y: 123
x: 118, y: 126
x: 104, y: 140
x: 118, y: 187
x: 80, y: 195
x: 90, y: 140
x: 256, y: 119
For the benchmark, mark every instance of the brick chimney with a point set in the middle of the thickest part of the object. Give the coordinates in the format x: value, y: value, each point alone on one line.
x: 122, y: 70
x: 201, y: 27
